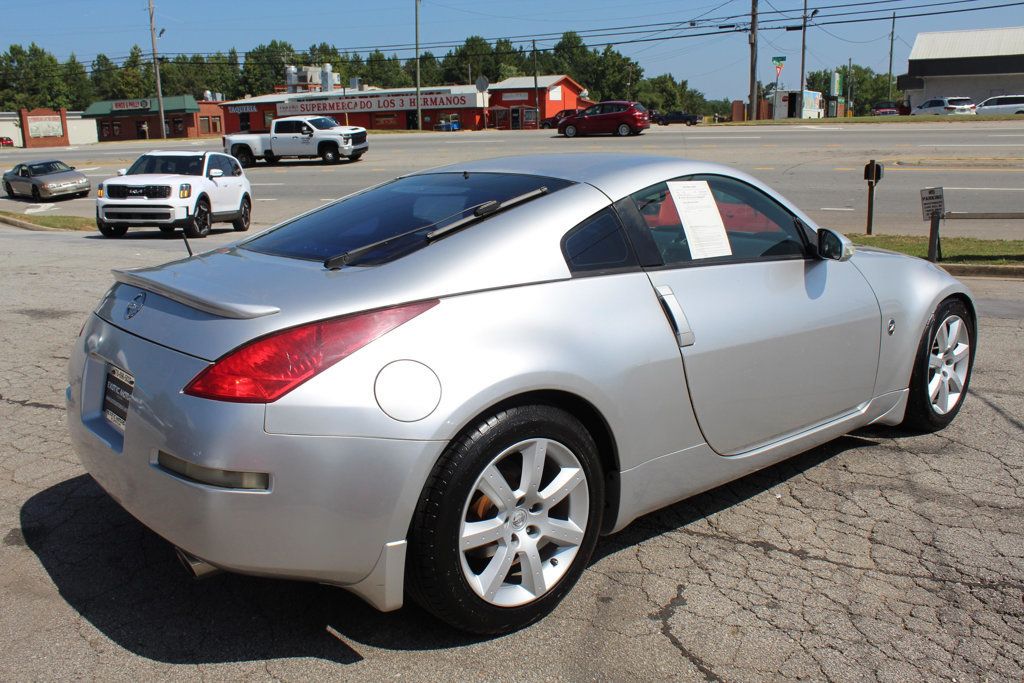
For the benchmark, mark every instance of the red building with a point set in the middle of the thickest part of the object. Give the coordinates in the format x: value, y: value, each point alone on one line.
x: 395, y: 108
x: 514, y: 100
x: 184, y: 117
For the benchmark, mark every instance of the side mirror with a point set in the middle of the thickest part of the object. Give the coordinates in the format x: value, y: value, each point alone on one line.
x: 122, y: 171
x: 71, y: 167
x: 308, y: 132
x: 832, y: 245
x: 216, y: 173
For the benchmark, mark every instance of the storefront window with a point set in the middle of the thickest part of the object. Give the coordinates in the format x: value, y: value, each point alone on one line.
x: 215, y: 120
x: 105, y: 130
x: 117, y: 128
x: 268, y: 118
x: 204, y: 125
x: 179, y: 125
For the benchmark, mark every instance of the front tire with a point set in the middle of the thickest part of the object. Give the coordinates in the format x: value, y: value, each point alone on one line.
x: 241, y: 224
x: 356, y: 157
x: 570, y: 131
x: 507, y: 521
x: 942, y: 369
x: 110, y: 229
x: 200, y: 224
x: 329, y: 153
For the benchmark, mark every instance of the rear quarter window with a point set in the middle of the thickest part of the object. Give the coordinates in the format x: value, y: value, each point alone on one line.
x: 598, y: 244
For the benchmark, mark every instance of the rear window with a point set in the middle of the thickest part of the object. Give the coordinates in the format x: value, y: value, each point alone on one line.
x: 960, y: 100
x: 639, y: 107
x: 414, y: 204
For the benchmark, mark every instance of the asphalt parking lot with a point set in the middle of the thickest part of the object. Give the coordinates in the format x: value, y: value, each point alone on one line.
x: 879, y: 556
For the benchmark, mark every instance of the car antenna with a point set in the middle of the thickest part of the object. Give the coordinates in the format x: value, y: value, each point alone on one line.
x: 188, y: 246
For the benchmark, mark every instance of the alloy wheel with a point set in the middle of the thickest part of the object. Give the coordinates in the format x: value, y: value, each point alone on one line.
x: 515, y: 544
x: 948, y: 364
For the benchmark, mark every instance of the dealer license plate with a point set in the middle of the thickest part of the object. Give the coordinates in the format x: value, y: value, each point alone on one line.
x: 117, y: 395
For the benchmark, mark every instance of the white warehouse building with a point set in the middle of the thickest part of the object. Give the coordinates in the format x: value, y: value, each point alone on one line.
x: 977, y: 64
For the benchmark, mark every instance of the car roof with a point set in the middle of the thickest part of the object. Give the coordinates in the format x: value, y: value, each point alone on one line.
x: 176, y: 153
x: 617, y: 175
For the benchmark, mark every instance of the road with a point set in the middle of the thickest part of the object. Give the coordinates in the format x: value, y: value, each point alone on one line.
x: 819, y: 167
x: 879, y: 556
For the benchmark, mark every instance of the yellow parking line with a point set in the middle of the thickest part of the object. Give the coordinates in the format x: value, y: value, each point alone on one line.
x: 961, y: 170
x: 844, y: 169
x: 764, y: 168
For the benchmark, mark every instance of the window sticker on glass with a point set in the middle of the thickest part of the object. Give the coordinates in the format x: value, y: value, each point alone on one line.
x: 705, y: 232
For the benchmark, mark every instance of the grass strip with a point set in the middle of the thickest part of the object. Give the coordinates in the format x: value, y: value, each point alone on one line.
x: 54, y: 221
x: 891, y: 120
x: 966, y: 250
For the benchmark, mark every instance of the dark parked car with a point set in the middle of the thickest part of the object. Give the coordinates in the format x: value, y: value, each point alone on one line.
x: 885, y: 109
x: 553, y: 121
x: 620, y: 117
x: 665, y: 118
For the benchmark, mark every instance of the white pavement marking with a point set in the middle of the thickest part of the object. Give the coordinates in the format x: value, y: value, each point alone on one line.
x: 989, y: 189
x: 835, y: 208
x: 265, y: 184
x: 1007, y: 135
x: 266, y: 199
x: 1001, y: 144
x: 727, y: 137
x: 91, y: 168
x: 40, y: 208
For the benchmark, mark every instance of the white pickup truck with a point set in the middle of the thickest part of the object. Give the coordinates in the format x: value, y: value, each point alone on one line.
x: 304, y: 137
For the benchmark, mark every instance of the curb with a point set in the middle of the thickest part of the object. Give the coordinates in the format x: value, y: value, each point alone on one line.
x: 25, y: 225
x: 954, y: 269
x: 969, y: 270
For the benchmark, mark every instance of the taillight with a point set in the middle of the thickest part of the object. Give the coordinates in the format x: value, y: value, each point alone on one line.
x: 266, y: 369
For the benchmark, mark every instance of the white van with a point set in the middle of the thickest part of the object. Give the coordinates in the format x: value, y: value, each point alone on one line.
x: 1002, y: 104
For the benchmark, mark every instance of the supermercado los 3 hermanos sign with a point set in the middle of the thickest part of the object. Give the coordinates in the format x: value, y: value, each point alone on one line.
x: 370, y: 103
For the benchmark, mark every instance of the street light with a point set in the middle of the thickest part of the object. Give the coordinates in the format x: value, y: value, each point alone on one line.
x: 803, y: 54
x: 156, y: 69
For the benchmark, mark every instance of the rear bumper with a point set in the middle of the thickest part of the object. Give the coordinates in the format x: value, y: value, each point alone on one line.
x: 334, y: 509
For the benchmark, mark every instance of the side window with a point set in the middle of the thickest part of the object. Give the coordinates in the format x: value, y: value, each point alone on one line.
x: 285, y: 127
x: 223, y: 164
x: 236, y: 170
x: 597, y: 243
x: 729, y: 220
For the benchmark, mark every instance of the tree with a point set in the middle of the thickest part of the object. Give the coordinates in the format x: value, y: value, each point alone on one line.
x: 80, y: 90
x: 31, y: 78
x: 264, y: 67
x: 135, y: 77
x: 104, y: 77
x: 430, y: 70
x: 471, y: 59
x: 385, y: 71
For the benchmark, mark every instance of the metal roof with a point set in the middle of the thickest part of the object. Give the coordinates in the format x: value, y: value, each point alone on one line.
x: 518, y: 82
x: 988, y: 42
x: 276, y: 97
x: 175, y: 104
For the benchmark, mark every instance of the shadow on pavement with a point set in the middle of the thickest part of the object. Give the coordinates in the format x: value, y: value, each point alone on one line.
x: 127, y: 582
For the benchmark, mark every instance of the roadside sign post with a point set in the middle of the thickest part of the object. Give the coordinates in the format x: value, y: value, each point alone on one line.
x: 873, y: 172
x: 933, y: 206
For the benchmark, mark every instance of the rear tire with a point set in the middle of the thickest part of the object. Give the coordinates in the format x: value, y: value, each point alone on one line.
x: 199, y: 225
x: 244, y: 156
x: 942, y: 368
x: 569, y: 132
x: 623, y: 130
x: 483, y: 556
x: 241, y: 224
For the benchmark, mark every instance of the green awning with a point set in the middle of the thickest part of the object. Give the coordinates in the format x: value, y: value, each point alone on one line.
x: 178, y: 104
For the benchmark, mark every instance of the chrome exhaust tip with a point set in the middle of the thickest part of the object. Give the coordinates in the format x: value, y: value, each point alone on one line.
x: 199, y: 569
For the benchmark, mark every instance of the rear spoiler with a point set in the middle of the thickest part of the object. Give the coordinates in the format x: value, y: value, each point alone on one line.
x: 225, y: 309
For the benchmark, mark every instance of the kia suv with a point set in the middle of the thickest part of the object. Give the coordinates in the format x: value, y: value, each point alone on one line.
x: 170, y: 190
x: 619, y: 117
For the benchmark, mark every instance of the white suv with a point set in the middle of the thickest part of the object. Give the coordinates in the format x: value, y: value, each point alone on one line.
x: 170, y: 190
x: 942, y: 106
x: 1002, y: 104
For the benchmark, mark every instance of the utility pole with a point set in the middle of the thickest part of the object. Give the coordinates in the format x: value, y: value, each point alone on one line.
x: 156, y: 70
x: 753, y: 60
x: 419, y: 112
x: 803, y: 56
x: 892, y: 34
x: 849, y: 87
x: 536, y: 87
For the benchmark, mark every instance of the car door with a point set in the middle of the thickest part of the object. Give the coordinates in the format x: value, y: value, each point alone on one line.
x: 217, y: 186
x: 773, y: 339
x: 585, y: 122
x: 928, y: 107
x: 285, y: 138
x: 229, y: 184
x: 22, y: 184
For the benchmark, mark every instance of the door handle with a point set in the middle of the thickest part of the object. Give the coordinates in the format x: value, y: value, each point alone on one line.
x: 676, y: 317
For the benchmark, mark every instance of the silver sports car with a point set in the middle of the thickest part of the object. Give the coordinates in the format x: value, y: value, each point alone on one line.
x: 449, y: 385
x: 45, y: 180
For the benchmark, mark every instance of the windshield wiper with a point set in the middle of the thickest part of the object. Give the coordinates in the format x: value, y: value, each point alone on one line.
x: 480, y: 211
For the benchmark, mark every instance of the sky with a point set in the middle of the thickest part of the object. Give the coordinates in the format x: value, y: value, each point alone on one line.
x: 717, y: 65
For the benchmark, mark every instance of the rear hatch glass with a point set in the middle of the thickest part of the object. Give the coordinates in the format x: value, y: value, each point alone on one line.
x: 410, y: 206
x: 960, y: 101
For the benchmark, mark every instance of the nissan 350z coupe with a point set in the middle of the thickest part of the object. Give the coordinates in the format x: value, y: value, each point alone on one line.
x: 449, y: 385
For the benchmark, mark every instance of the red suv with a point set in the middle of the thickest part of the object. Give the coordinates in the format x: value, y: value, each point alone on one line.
x: 614, y: 116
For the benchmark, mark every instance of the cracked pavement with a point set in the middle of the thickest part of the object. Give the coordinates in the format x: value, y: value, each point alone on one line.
x: 879, y: 556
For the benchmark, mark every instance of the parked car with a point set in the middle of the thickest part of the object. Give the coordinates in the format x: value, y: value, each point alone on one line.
x: 1002, y: 104
x: 299, y: 405
x: 885, y: 108
x: 943, y: 106
x: 616, y: 116
x: 666, y: 118
x: 6, y: 141
x: 302, y: 137
x: 170, y: 190
x: 552, y: 121
x: 45, y: 180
